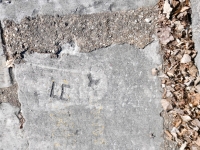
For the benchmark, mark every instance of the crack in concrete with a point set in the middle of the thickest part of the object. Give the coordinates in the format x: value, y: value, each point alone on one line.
x: 9, y: 94
x: 2, y: 38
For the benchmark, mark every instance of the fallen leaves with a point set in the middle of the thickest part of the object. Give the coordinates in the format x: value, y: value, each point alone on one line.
x: 180, y: 81
x: 183, y: 146
x: 186, y: 118
x: 186, y: 58
x: 169, y: 135
x: 166, y: 105
x: 167, y: 9
x: 164, y: 35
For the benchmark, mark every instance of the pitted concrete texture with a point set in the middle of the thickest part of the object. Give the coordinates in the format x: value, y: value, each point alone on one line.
x: 9, y: 95
x: 47, y: 34
x: 102, y: 100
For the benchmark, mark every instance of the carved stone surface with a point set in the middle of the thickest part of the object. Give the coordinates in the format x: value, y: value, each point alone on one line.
x: 106, y: 99
x: 103, y: 100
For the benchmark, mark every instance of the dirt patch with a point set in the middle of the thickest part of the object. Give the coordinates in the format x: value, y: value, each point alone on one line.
x: 47, y: 34
x: 9, y: 95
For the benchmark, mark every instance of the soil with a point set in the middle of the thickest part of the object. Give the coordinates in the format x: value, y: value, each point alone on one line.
x: 9, y: 95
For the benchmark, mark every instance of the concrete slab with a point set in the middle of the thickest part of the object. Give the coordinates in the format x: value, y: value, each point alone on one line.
x: 106, y: 99
x: 102, y: 100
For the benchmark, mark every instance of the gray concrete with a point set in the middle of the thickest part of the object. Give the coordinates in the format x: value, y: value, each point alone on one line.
x: 18, y: 9
x: 106, y: 99
x: 10, y: 137
x: 103, y: 100
x: 196, y: 27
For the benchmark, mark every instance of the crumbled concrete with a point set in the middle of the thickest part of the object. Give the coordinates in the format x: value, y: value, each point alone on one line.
x: 47, y: 34
x: 8, y: 91
x: 10, y: 95
x: 106, y: 99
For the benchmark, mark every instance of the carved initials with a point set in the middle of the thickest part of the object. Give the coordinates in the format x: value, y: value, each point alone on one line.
x: 59, y: 92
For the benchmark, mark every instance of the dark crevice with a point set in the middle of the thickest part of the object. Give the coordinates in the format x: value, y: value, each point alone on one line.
x: 3, y: 41
x: 21, y: 118
x: 92, y: 81
x: 10, y: 70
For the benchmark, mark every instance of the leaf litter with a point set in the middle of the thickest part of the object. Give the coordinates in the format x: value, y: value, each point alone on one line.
x: 180, y: 78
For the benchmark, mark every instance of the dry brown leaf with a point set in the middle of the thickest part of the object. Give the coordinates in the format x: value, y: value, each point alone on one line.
x: 165, y: 35
x: 167, y: 9
x: 174, y: 132
x: 183, y: 146
x: 184, y: 8
x: 188, y: 81
x: 169, y: 93
x: 195, y: 99
x: 166, y: 105
x: 174, y: 3
x: 194, y: 147
x: 179, y: 42
x: 162, y: 75
x: 181, y: 15
x: 197, y: 80
x: 198, y: 88
x: 171, y: 73
x: 186, y: 118
x: 177, y: 111
x: 193, y: 71
x: 183, y: 131
x: 177, y: 123
x: 196, y: 122
x: 169, y: 136
x: 186, y: 58
x: 179, y: 26
x: 197, y: 141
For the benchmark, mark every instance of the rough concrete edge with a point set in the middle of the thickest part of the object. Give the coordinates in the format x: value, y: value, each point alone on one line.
x: 5, y: 73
